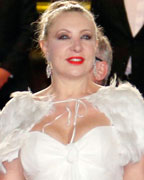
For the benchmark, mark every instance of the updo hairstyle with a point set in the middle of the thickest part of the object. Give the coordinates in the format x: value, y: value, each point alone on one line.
x: 55, y: 9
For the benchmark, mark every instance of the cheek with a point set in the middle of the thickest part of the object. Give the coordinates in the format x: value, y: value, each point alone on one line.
x: 91, y: 53
x: 58, y: 45
x: 53, y: 51
x: 91, y: 48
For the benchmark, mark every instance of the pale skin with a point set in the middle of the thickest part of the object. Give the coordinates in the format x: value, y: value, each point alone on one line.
x: 71, y: 34
x: 101, y: 72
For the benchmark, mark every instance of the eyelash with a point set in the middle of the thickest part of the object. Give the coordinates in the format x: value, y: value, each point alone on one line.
x: 86, y: 37
x: 64, y: 37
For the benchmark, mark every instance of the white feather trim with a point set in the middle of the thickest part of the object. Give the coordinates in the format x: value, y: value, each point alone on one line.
x: 18, y: 117
x: 124, y: 106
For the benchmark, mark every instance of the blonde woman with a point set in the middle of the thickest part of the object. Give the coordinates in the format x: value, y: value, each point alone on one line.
x: 74, y: 129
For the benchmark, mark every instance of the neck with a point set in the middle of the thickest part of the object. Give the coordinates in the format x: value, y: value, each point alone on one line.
x: 64, y: 89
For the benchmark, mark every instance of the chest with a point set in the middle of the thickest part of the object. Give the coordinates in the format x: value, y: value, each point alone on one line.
x: 65, y: 124
x: 94, y: 155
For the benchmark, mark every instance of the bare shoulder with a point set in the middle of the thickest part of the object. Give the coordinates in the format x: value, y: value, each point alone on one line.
x: 14, y: 171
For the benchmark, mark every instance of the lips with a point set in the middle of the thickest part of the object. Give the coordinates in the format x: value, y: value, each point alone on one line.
x: 76, y: 60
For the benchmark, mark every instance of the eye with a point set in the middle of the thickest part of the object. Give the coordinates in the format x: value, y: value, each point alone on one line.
x: 86, y: 36
x: 63, y: 37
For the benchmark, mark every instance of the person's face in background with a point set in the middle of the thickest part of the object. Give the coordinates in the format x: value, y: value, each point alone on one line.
x: 101, y: 70
x: 71, y: 45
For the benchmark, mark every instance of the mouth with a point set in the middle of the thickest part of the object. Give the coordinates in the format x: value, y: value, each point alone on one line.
x: 75, y: 60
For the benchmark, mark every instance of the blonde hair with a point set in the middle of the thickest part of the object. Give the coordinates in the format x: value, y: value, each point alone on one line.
x: 54, y: 10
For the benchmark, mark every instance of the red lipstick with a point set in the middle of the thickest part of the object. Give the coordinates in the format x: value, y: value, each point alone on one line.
x: 76, y: 60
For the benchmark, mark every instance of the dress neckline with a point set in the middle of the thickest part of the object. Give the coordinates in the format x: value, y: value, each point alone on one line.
x: 97, y: 128
x: 78, y: 102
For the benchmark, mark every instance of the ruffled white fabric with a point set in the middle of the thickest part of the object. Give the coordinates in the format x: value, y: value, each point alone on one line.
x: 124, y: 106
x: 17, y: 118
x: 104, y: 149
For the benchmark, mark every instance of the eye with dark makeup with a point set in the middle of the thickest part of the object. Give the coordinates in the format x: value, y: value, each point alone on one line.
x: 86, y: 37
x: 63, y: 37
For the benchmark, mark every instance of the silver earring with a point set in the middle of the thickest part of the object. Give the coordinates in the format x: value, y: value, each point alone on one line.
x: 94, y: 67
x: 48, y: 69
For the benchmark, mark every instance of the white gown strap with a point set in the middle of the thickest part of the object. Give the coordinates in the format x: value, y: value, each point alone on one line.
x: 78, y: 102
x: 49, y: 123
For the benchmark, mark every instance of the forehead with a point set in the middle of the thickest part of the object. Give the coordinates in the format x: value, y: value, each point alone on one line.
x: 72, y: 20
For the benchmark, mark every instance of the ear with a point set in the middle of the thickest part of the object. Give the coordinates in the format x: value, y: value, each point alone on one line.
x: 101, y: 70
x: 43, y: 46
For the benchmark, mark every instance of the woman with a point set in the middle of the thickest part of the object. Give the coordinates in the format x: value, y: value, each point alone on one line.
x: 74, y: 129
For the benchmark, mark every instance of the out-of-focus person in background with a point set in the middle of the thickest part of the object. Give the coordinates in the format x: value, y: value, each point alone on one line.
x: 123, y: 23
x: 16, y: 34
x: 103, y: 59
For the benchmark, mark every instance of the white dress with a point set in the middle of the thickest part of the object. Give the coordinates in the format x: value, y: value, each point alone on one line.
x: 100, y: 154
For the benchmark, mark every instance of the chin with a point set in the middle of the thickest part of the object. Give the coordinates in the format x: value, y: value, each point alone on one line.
x: 76, y: 75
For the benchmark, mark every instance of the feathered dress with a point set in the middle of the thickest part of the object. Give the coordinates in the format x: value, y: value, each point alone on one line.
x: 101, y: 153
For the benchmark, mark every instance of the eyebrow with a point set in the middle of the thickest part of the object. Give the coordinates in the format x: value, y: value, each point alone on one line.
x: 86, y: 30
x: 70, y: 31
x: 63, y: 30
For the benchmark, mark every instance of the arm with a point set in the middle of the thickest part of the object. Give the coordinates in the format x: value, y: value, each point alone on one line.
x: 14, y: 171
x: 134, y: 171
x: 4, y: 75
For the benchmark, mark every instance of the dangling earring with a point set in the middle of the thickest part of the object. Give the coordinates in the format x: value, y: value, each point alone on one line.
x: 48, y: 69
x: 94, y: 67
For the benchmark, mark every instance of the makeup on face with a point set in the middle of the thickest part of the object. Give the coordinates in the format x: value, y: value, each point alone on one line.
x: 75, y: 60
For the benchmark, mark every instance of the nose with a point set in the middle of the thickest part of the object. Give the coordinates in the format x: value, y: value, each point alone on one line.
x: 76, y: 45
